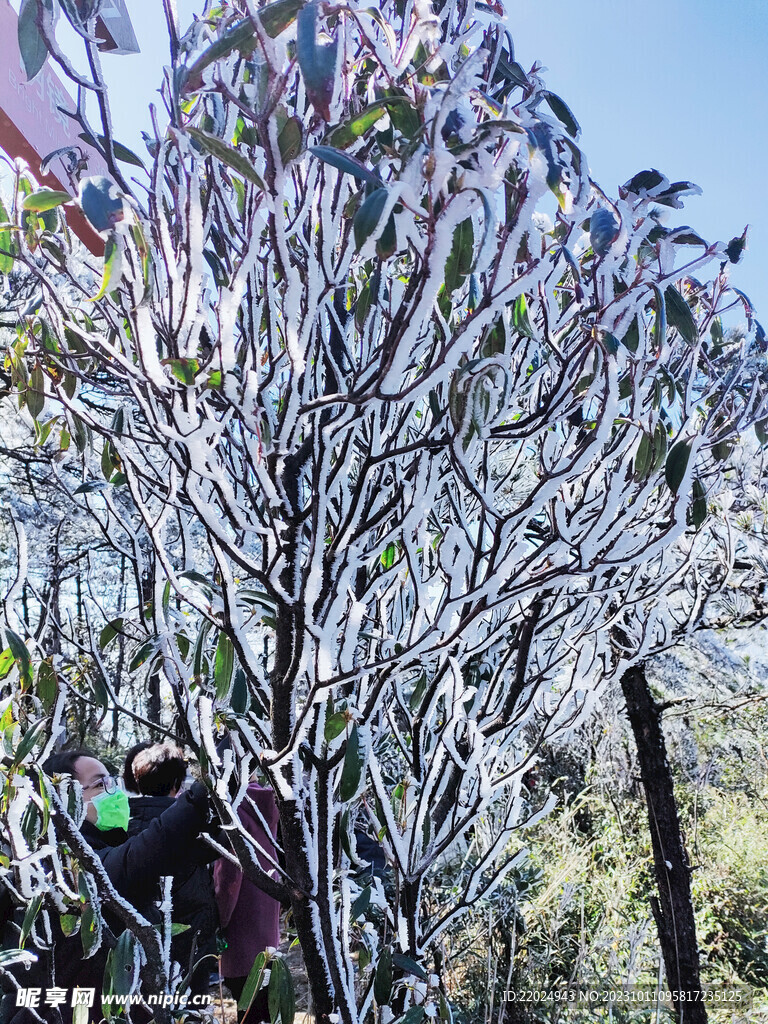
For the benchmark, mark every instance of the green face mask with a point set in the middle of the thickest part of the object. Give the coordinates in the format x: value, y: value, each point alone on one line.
x: 112, y: 810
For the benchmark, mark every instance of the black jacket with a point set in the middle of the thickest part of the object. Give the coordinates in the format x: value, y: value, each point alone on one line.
x: 134, y: 865
x: 192, y: 893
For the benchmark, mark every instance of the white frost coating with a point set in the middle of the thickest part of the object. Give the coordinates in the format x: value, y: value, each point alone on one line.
x: 383, y: 503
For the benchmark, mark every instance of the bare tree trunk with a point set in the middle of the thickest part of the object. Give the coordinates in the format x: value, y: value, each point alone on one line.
x: 673, y: 907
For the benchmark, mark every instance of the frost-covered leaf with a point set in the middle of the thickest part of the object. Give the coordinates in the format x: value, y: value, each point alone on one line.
x: 409, y: 965
x: 335, y: 725
x: 361, y: 904
x: 281, y: 997
x: 29, y: 918
x: 35, y: 394
x: 352, y: 773
x: 368, y: 216
x: 28, y: 740
x: 679, y: 315
x: 346, y: 163
x: 317, y: 59
x: 46, y: 684
x: 45, y: 199
x: 101, y: 203
x: 677, y: 464
x: 382, y: 985
x: 359, y: 124
x: 112, y: 267
x: 184, y: 370
x: 698, y: 504
x: 253, y: 982
x: 20, y: 653
x: 112, y: 630
x: 562, y: 112
x: 227, y: 155
x: 223, y: 665
x: 34, y: 51
x: 289, y: 140
x: 603, y: 230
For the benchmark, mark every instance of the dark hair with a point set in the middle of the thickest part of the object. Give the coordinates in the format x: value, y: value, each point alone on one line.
x: 64, y: 762
x: 158, y: 769
x: 130, y: 757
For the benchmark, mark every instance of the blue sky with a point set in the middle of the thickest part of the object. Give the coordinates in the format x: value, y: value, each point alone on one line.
x: 673, y: 84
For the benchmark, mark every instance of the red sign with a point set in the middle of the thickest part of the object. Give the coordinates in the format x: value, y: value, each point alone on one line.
x: 32, y: 126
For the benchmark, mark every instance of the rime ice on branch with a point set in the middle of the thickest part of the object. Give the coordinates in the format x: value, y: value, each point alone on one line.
x: 403, y: 416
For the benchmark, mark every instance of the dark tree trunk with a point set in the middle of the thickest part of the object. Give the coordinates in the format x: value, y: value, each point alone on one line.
x: 672, y: 908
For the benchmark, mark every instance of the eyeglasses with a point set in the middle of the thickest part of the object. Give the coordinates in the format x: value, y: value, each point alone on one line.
x: 107, y: 783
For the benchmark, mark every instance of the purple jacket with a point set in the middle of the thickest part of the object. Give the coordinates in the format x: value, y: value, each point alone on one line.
x: 250, y: 920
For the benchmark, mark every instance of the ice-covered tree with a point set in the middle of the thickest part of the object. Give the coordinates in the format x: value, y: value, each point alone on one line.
x: 419, y: 432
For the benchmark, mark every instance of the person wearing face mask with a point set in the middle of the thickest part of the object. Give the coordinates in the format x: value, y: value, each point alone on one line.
x: 169, y: 845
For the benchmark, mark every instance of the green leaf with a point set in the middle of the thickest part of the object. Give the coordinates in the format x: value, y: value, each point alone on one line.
x: 275, y: 18
x: 512, y: 71
x: 47, y: 684
x: 239, y: 699
x: 7, y: 661
x: 282, y: 1000
x: 346, y: 163
x: 69, y: 924
x: 112, y: 629
x: 679, y: 315
x: 388, y: 555
x: 358, y: 125
x: 223, y: 665
x: 698, y: 504
x: 28, y: 740
x: 386, y: 243
x: 35, y: 393
x: 317, y: 60
x: 405, y: 963
x: 289, y: 140
x: 31, y: 42
x: 227, y: 155
x: 184, y: 370
x: 562, y: 112
x: 676, y: 464
x: 459, y: 262
x: 122, y: 153
x: 361, y: 904
x: 413, y: 1015
x: 334, y: 726
x: 90, y: 929
x: 124, y: 974
x: 90, y: 486
x: 382, y: 983
x: 368, y: 216
x: 29, y: 918
x: 631, y: 339
x: 660, y: 324
x: 520, y: 320
x: 418, y: 692
x: 20, y: 653
x: 141, y: 654
x: 253, y: 982
x: 101, y: 202
x: 644, y: 457
x: 111, y: 267
x: 603, y: 230
x: 352, y: 770
x: 6, y: 261
x: 45, y: 199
